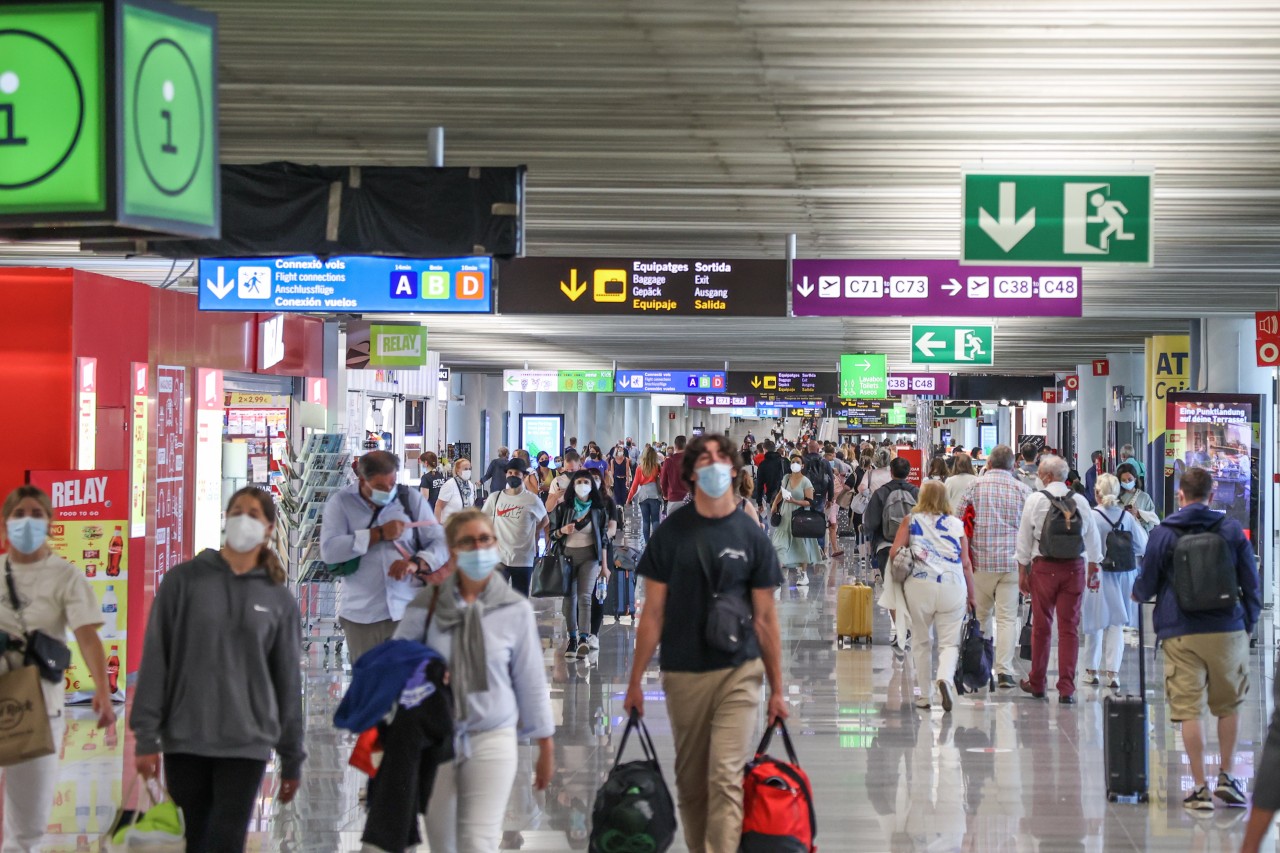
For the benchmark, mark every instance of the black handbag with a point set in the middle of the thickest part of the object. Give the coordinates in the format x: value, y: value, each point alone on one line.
x: 730, y: 619
x: 633, y: 809
x: 48, y: 654
x: 552, y: 574
x: 775, y: 520
x: 808, y: 524
x: 1024, y: 641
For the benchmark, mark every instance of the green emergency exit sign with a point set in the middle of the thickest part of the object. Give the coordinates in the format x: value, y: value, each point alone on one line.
x: 108, y: 120
x: 1057, y: 219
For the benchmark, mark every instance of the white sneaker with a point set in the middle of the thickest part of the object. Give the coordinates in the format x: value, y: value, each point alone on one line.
x: 803, y: 580
x: 594, y: 642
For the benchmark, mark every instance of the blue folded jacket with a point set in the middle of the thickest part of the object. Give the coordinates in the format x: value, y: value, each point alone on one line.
x: 377, y: 680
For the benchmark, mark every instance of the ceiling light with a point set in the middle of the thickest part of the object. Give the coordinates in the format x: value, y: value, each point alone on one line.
x: 1004, y: 401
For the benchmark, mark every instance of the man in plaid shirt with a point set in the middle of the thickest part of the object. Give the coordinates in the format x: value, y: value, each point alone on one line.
x: 997, y: 498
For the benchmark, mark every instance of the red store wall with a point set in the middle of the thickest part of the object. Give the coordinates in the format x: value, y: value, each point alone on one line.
x: 50, y: 317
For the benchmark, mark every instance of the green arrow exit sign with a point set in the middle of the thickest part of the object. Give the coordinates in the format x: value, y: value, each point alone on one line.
x: 1057, y: 219
x: 960, y: 344
x: 864, y: 375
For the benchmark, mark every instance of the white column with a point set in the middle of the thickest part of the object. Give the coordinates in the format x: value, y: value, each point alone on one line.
x: 1091, y: 412
x: 630, y: 418
x: 586, y: 426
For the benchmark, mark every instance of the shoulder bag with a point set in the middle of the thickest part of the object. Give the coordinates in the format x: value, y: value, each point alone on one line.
x: 27, y: 733
x: 349, y: 567
x: 48, y: 654
x: 729, y: 616
x: 552, y: 574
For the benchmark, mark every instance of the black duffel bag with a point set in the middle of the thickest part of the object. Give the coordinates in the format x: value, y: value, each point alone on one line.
x: 633, y: 808
x: 808, y: 524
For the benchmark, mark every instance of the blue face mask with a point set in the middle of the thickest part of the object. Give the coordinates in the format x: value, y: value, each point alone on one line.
x: 379, y: 497
x: 477, y: 564
x: 27, y: 535
x: 1129, y: 485
x: 715, y: 479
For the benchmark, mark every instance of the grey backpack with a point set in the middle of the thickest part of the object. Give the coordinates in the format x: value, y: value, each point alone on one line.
x: 897, y: 506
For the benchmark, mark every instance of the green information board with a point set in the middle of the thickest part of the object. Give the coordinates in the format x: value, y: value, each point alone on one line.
x: 169, y: 109
x: 864, y: 375
x: 599, y: 381
x: 82, y: 156
x: 52, y: 109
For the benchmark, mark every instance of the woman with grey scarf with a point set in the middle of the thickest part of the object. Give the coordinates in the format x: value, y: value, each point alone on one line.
x: 488, y: 633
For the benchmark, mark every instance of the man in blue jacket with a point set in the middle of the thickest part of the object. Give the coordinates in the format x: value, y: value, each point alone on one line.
x: 1206, y: 653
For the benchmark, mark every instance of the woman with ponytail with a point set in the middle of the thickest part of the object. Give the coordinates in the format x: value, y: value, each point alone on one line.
x: 219, y: 686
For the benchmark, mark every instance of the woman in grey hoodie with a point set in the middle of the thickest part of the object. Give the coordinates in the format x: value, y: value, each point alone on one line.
x: 219, y: 686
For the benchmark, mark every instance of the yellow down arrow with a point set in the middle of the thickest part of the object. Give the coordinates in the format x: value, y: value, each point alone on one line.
x: 573, y: 290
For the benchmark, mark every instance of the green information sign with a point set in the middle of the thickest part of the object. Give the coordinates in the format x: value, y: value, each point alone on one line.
x: 897, y: 415
x: 170, y: 144
x: 52, y: 109
x: 967, y: 344
x: 585, y: 380
x: 864, y: 375
x: 397, y: 346
x: 108, y: 119
x: 1057, y: 219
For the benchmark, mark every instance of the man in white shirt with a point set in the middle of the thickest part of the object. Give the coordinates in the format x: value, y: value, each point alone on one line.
x: 518, y: 516
x: 389, y: 529
x: 1055, y: 537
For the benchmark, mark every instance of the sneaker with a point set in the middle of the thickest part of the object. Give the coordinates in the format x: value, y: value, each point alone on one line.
x: 803, y: 580
x: 945, y: 689
x: 1199, y: 800
x: 571, y: 650
x: 893, y: 638
x: 1091, y: 679
x: 594, y: 642
x: 1231, y: 791
x: 584, y: 648
x: 1114, y: 684
x: 922, y: 703
x: 1006, y: 682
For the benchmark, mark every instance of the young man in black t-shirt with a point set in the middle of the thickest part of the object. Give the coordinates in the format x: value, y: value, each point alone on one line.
x: 704, y: 684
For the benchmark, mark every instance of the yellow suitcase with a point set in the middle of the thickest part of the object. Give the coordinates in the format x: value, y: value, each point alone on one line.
x: 853, y: 614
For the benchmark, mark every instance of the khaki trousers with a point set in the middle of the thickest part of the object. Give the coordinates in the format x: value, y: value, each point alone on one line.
x: 713, y: 717
x: 362, y: 637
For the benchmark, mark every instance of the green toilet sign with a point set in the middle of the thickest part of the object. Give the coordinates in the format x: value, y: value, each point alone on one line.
x: 84, y: 156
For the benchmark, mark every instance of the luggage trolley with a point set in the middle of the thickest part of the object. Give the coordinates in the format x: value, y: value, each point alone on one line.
x: 317, y: 593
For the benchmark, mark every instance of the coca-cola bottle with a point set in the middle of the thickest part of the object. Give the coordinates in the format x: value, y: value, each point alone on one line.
x: 114, y: 552
x: 113, y: 669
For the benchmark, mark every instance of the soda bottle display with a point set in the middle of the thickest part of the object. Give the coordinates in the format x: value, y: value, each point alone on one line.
x: 113, y: 669
x: 114, y: 552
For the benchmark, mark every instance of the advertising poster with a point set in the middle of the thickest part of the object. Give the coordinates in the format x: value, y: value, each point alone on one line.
x: 1168, y: 363
x: 1223, y: 433
x: 542, y: 434
x: 138, y: 453
x: 90, y: 531
x: 171, y: 464
x: 916, y: 457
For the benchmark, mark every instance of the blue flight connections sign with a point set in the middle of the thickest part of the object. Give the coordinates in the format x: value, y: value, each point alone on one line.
x: 667, y: 381
x: 347, y: 285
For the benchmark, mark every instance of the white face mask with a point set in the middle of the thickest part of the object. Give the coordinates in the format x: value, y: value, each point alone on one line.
x: 466, y: 475
x: 796, y: 467
x: 582, y: 490
x: 1129, y: 486
x: 244, y: 533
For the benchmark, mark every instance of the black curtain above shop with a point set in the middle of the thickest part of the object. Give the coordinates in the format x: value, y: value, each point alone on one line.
x: 271, y: 209
x: 972, y: 386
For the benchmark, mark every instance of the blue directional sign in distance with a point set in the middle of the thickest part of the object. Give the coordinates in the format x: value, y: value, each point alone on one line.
x: 668, y: 381
x: 347, y: 285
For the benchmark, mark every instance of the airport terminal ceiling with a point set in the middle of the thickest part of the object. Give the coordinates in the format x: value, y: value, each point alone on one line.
x: 673, y: 129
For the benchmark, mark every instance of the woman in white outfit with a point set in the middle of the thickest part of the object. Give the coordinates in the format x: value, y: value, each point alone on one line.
x: 1108, y: 603
x: 53, y: 596
x: 961, y: 479
x: 458, y: 493
x: 488, y: 633
x: 938, y: 590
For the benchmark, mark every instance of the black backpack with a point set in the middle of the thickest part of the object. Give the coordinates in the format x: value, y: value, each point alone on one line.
x: 1118, y: 554
x: 633, y: 809
x: 1062, y: 537
x: 1204, y: 571
x: 819, y: 473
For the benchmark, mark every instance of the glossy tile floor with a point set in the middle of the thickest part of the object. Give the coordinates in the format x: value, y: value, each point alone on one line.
x: 1000, y: 773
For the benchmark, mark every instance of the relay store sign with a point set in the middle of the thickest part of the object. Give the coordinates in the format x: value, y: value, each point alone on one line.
x: 931, y: 288
x: 108, y: 118
x: 669, y: 381
x: 1057, y: 219
x: 347, y: 285
x: 397, y: 346
x: 704, y: 287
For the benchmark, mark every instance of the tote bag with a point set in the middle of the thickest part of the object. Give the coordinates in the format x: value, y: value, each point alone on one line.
x: 24, y: 726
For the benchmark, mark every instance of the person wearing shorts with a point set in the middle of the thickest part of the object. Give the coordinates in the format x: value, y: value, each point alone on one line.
x: 1206, y: 652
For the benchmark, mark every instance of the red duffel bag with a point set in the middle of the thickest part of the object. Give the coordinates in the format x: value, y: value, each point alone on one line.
x: 777, y: 805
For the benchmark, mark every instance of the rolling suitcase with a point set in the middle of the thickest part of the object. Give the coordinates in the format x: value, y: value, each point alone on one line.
x: 853, y: 614
x: 1124, y: 736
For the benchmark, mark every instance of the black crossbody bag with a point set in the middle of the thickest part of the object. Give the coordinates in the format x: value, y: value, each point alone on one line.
x: 48, y: 654
x: 730, y: 619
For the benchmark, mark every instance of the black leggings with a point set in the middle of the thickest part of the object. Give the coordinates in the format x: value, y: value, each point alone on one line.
x: 216, y: 796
